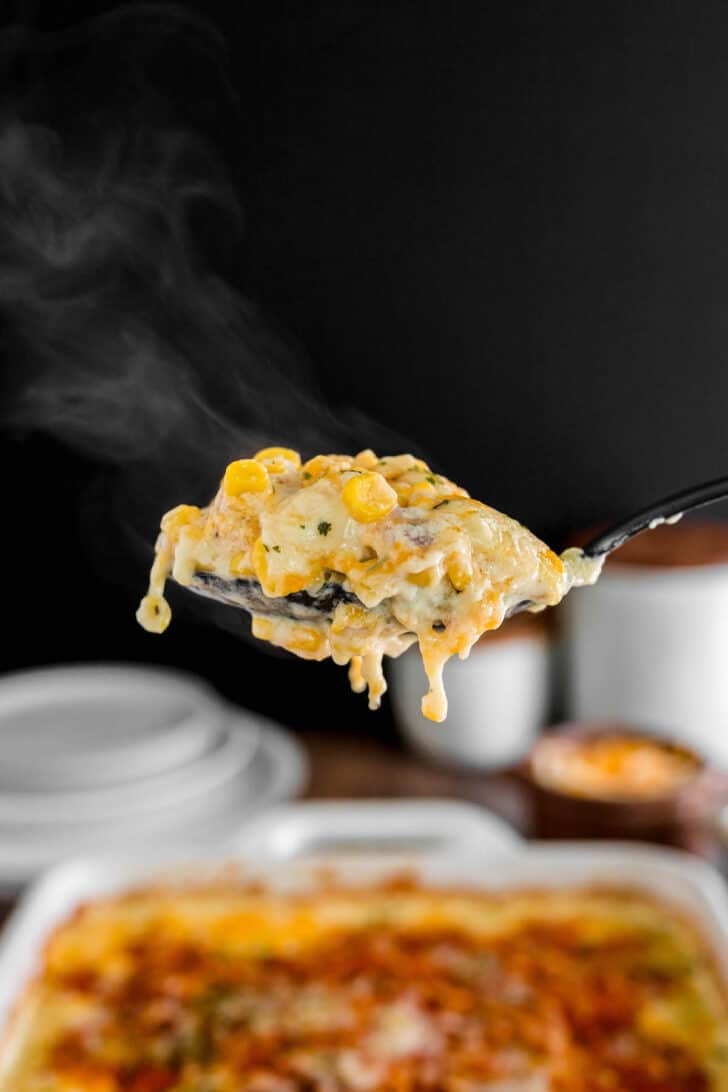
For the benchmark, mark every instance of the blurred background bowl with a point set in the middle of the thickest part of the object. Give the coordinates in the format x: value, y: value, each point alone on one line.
x: 613, y: 781
x: 648, y: 644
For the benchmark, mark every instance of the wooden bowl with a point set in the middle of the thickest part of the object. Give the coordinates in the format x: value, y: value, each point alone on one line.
x: 613, y: 805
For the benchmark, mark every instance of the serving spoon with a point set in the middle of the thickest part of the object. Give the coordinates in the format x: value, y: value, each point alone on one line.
x: 668, y: 510
x: 303, y: 606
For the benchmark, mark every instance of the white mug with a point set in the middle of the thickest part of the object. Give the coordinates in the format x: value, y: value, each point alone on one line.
x: 497, y: 700
x: 648, y: 646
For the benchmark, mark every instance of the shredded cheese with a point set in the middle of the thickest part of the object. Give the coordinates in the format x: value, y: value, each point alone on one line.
x: 216, y: 988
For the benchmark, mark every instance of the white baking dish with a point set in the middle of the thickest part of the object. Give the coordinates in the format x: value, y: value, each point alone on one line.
x: 446, y: 842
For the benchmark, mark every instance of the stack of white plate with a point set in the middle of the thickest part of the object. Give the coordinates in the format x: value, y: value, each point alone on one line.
x: 118, y: 758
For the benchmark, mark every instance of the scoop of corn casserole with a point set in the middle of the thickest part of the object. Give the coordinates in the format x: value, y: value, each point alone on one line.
x: 358, y: 557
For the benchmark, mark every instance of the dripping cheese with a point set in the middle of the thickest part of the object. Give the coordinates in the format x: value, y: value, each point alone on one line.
x: 413, y: 556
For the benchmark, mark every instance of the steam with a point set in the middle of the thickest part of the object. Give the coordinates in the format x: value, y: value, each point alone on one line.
x: 125, y: 342
x: 128, y: 347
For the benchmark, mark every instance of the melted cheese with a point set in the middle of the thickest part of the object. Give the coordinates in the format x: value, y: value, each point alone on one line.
x: 394, y: 989
x: 418, y: 559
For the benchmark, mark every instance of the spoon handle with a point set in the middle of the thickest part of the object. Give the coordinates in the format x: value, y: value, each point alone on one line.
x: 670, y: 508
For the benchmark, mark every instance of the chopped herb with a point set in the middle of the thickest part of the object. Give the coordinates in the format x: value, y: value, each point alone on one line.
x: 324, y: 527
x: 276, y: 548
x: 432, y: 479
x: 306, y: 475
x: 440, y: 504
x: 302, y: 526
x: 439, y: 627
x: 266, y: 548
x: 377, y: 563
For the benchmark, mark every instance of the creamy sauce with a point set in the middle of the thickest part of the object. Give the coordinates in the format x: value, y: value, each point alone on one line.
x: 418, y: 559
x: 669, y: 520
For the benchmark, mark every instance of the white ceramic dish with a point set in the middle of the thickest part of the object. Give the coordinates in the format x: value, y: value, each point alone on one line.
x: 447, y: 843
x: 497, y: 701
x: 276, y: 772
x: 209, y: 771
x: 101, y: 724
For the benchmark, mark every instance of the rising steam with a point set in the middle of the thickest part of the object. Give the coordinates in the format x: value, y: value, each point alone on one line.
x: 129, y: 347
x: 123, y: 341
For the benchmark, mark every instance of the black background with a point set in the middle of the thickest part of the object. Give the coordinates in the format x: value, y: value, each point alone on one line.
x: 499, y: 229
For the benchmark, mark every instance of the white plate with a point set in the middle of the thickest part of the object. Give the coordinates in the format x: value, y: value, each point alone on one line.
x: 169, y: 789
x: 87, y: 726
x: 276, y: 772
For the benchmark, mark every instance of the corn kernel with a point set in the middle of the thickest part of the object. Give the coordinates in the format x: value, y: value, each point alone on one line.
x: 368, y: 497
x: 420, y: 491
x: 245, y: 476
x: 239, y: 564
x: 459, y: 573
x: 391, y: 466
x: 403, y: 488
x: 551, y: 559
x: 307, y: 639
x: 423, y: 579
x: 179, y: 517
x: 188, y: 533
x: 322, y: 464
x: 262, y: 628
x: 348, y: 616
x: 366, y: 458
x: 278, y: 459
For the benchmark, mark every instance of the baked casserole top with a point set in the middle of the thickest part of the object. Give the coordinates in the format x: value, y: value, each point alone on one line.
x: 223, y: 989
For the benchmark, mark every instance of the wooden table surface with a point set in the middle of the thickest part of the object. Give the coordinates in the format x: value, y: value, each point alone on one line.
x: 348, y: 766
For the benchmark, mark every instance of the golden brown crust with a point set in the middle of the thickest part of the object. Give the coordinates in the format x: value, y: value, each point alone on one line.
x: 375, y: 923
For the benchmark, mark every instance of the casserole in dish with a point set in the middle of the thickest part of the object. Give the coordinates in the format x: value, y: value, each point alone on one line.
x: 502, y: 968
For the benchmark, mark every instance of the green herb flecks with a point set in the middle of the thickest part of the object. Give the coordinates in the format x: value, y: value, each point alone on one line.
x: 376, y: 564
x: 324, y: 527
